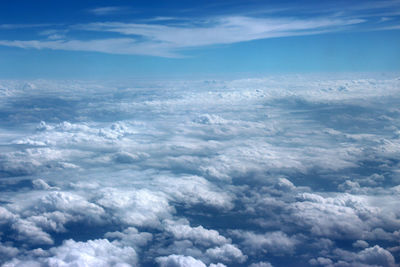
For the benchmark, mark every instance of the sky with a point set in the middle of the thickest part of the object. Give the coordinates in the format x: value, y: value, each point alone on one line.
x: 131, y: 39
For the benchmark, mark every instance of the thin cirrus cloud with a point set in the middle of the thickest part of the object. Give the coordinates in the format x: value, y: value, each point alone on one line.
x: 108, y: 10
x: 223, y: 31
x: 110, y: 46
x: 169, y: 40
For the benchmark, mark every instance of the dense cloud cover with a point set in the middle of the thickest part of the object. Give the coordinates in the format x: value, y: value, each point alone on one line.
x: 279, y: 171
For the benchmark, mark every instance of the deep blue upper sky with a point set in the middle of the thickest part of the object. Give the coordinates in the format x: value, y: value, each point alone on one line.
x: 103, y: 39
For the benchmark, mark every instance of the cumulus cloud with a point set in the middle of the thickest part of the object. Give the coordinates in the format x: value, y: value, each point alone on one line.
x: 372, y: 256
x: 360, y: 244
x: 179, y: 261
x: 98, y: 252
x: 256, y: 172
x: 261, y: 264
x: 272, y: 242
x: 199, y: 235
x: 226, y: 253
x: 139, y: 208
x: 131, y: 237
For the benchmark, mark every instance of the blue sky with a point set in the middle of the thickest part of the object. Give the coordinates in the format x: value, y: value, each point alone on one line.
x: 123, y: 39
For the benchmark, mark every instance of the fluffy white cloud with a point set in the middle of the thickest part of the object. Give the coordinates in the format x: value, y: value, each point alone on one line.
x: 373, y: 256
x: 8, y: 252
x: 139, y: 208
x: 192, y: 190
x: 199, y: 235
x: 226, y: 253
x: 179, y: 261
x: 131, y: 237
x: 98, y: 252
x: 321, y: 261
x: 261, y: 264
x: 360, y: 244
x: 249, y: 171
x: 271, y: 242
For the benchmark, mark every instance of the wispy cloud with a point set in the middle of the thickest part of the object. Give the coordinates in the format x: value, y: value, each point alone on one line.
x: 108, y: 10
x: 21, y: 26
x: 125, y: 46
x: 393, y: 27
x: 225, y: 30
x: 168, y: 40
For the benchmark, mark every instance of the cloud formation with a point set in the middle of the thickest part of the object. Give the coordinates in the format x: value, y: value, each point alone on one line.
x: 107, y: 10
x: 161, y: 38
x: 274, y: 171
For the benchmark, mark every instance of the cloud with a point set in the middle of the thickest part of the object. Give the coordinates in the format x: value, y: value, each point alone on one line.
x: 261, y: 264
x: 98, y: 252
x: 22, y: 26
x: 226, y: 253
x: 8, y: 252
x: 199, y: 235
x: 295, y: 169
x: 224, y: 30
x: 108, y: 10
x: 169, y: 40
x: 321, y: 261
x: 272, y: 242
x: 179, y: 261
x: 131, y: 237
x: 373, y: 256
x: 360, y: 244
x: 137, y: 208
x: 42, y: 185
x: 111, y: 46
x: 195, y: 190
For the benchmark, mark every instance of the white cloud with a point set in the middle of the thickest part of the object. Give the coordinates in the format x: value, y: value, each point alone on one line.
x: 228, y: 171
x: 217, y: 265
x: 138, y: 208
x: 272, y: 242
x: 27, y: 231
x: 131, y: 237
x: 222, y: 30
x: 107, y: 10
x: 167, y: 40
x: 98, y: 252
x: 7, y: 252
x: 337, y: 216
x: 111, y: 46
x: 226, y: 253
x: 261, y: 264
x: 321, y: 261
x: 199, y: 235
x: 373, y: 256
x: 360, y: 244
x: 179, y: 261
x: 192, y: 190
x: 42, y: 185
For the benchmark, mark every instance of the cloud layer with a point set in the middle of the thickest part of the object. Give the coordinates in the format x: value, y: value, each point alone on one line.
x: 255, y: 172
